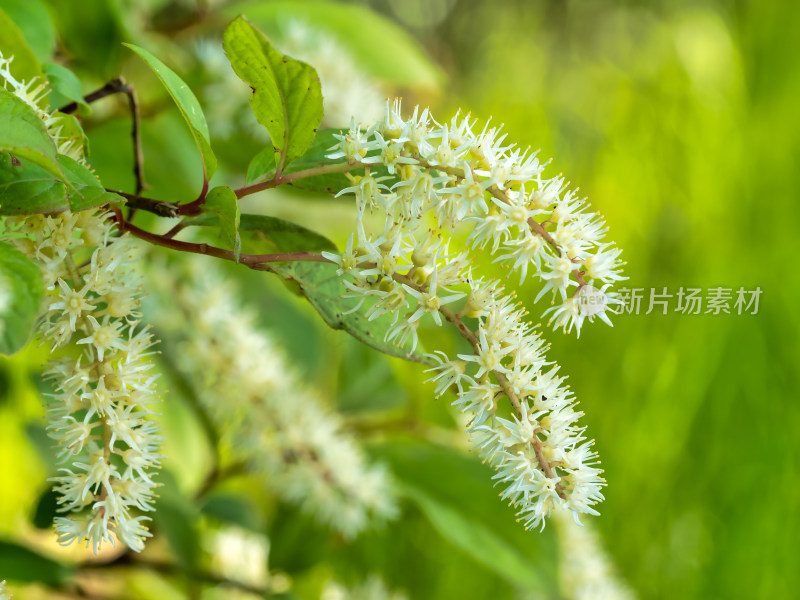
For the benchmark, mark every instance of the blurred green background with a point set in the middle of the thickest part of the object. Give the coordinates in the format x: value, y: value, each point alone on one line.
x: 678, y: 120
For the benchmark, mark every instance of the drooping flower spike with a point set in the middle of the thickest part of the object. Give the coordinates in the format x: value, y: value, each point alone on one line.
x: 436, y: 185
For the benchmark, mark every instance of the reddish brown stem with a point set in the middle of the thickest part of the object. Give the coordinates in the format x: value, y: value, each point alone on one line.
x: 254, y: 261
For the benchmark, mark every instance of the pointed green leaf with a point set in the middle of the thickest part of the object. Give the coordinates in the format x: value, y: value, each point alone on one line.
x: 187, y: 104
x: 286, y: 99
x: 222, y: 201
x: 317, y: 281
x: 21, y: 292
x: 482, y: 527
x: 476, y: 539
x: 23, y: 134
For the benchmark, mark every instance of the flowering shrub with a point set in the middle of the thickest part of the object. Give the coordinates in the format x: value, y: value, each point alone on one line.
x: 435, y: 203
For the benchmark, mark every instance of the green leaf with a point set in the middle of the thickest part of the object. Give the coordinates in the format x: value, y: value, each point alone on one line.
x: 23, y: 133
x: 187, y: 104
x: 476, y: 539
x: 286, y: 99
x: 379, y: 46
x: 33, y: 20
x: 262, y: 234
x: 85, y: 190
x: 222, y: 201
x: 176, y: 518
x: 20, y: 564
x: 463, y: 507
x: 325, y: 290
x: 46, y: 509
x: 21, y: 293
x: 234, y: 510
x: 65, y: 86
x: 27, y: 189
x: 266, y: 234
x: 25, y: 65
x: 71, y: 129
x: 263, y: 166
x: 317, y: 281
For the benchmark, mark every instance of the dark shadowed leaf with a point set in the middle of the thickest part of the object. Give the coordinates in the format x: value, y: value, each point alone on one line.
x: 21, y: 292
x: 234, y: 510
x: 20, y: 564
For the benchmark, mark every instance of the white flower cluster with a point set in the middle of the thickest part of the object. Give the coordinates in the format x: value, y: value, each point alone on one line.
x: 4, y: 595
x: 585, y: 570
x: 34, y: 93
x: 99, y: 410
x: 272, y: 418
x: 442, y: 176
x: 430, y: 184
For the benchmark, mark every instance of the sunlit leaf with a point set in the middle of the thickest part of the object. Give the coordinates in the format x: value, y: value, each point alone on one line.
x: 286, y: 98
x: 187, y: 104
